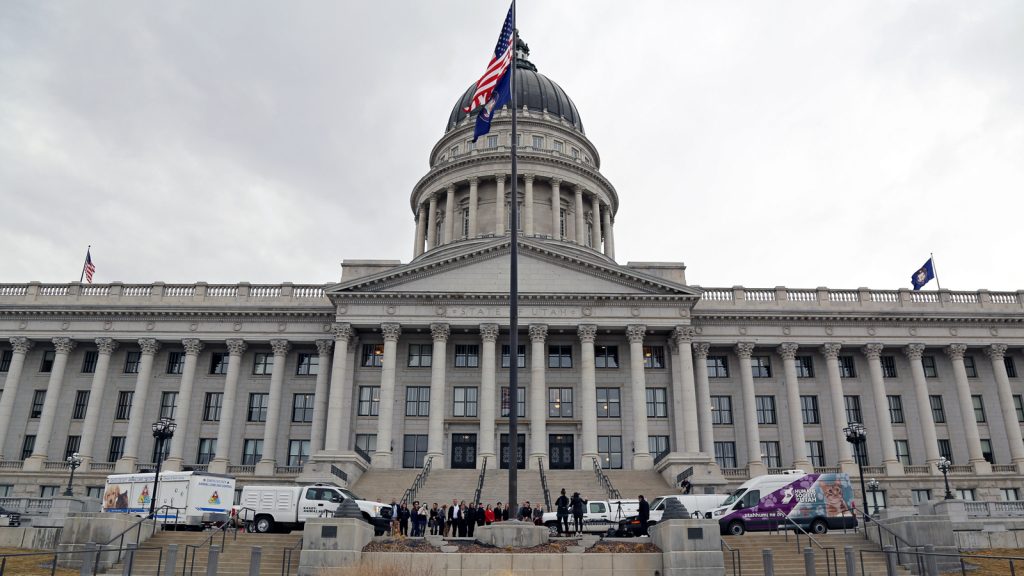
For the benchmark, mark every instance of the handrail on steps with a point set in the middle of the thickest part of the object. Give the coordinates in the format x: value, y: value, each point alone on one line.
x: 480, y: 482
x: 544, y: 484
x: 831, y: 561
x: 896, y: 538
x: 734, y: 554
x: 421, y: 478
x: 606, y: 482
x: 222, y: 529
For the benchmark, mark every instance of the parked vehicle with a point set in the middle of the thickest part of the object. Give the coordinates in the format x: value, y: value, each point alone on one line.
x: 267, y: 508
x: 9, y: 518
x: 814, y: 502
x: 599, y: 515
x: 191, y: 498
x: 698, y: 505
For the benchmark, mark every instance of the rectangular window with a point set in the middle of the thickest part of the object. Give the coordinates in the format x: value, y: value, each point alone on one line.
x: 5, y: 360
x: 72, y: 446
x: 721, y: 409
x: 219, y: 362
x: 464, y: 402
x: 889, y: 367
x: 654, y: 356
x: 467, y: 356
x: 804, y: 367
x: 560, y: 402
x: 258, y: 403
x: 920, y: 496
x: 609, y: 448
x: 846, y: 367
x: 455, y: 151
x: 81, y: 404
x: 970, y: 367
x: 903, y: 452
x: 765, y: 409
x: 979, y: 408
x: 559, y: 147
x: 860, y: 454
x: 263, y: 364
x: 47, y: 491
x: 761, y: 366
x: 576, y: 153
x: 47, y: 364
x: 986, y: 451
x: 414, y: 450
x: 608, y: 403
x: 302, y: 407
x: 211, y: 406
x: 1018, y: 406
x: 116, y: 449
x: 559, y: 356
x: 308, y: 365
x: 657, y: 403
x: 945, y: 450
x: 38, y: 399
x: 853, y: 413
x: 809, y: 409
x: 520, y: 404
x: 89, y: 361
x: 521, y: 362
x: 27, y: 446
x: 465, y: 222
x: 207, y: 450
x: 421, y: 355
x: 492, y: 141
x: 6, y: 490
x: 538, y: 142
x: 131, y: 361
x: 816, y: 452
x: 938, y: 411
x: 1009, y: 494
x: 94, y: 492
x: 770, y: 454
x: 561, y: 222
x: 168, y: 404
x: 369, y: 401
x: 417, y: 401
x: 718, y: 366
x: 1011, y: 368
x: 367, y: 442
x: 373, y: 355
x: 252, y: 451
x: 606, y: 356
x: 964, y: 494
x: 928, y: 363
x: 876, y: 500
x: 895, y: 409
x: 175, y: 362
x: 725, y: 454
x: 657, y: 445
x: 298, y: 452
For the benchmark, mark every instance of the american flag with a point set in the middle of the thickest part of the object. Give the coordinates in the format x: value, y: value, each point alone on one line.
x: 90, y: 268
x: 499, y: 64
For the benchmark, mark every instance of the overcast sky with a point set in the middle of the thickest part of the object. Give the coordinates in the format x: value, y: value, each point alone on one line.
x: 762, y: 143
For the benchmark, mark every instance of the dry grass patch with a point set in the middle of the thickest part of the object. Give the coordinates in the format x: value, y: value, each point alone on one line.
x: 32, y: 565
x: 981, y: 566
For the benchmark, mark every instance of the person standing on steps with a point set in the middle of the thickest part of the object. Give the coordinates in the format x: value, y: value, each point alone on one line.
x: 578, y: 506
x: 470, y: 517
x: 562, y: 514
x: 644, y: 515
x: 525, y: 512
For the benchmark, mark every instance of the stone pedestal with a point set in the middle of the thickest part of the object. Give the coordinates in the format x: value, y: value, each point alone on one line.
x: 33, y: 463
x: 512, y: 534
x: 318, y: 468
x: 98, y: 527
x: 689, y: 547
x: 332, y: 542
x: 60, y: 509
x: 706, y: 473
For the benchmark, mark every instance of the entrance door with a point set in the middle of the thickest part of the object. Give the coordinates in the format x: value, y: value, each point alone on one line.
x: 560, y: 452
x: 520, y: 449
x: 463, y: 450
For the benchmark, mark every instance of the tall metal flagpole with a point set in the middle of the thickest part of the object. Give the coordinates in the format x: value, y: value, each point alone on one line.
x: 938, y: 285
x: 513, y: 294
x: 84, y: 262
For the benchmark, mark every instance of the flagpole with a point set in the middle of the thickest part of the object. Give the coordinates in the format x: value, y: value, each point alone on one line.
x: 84, y: 262
x: 513, y: 295
x: 935, y: 270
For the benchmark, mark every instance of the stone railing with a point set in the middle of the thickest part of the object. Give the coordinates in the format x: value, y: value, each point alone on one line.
x: 827, y: 469
x: 198, y: 293
x: 58, y: 465
x: 1012, y: 468
x: 10, y: 464
x: 735, y: 472
x: 961, y: 469
x: 288, y: 469
x: 994, y: 509
x: 244, y: 469
x: 861, y: 298
x: 102, y: 466
x: 922, y: 470
x: 27, y: 506
x: 874, y: 470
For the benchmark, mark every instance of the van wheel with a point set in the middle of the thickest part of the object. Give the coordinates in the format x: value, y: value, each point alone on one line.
x: 736, y: 528
x: 819, y: 527
x: 263, y: 524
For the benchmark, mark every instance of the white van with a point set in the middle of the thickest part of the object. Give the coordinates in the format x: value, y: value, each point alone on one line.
x: 814, y: 502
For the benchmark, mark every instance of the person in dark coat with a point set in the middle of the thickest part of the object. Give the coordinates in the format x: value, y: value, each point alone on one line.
x: 578, y: 505
x: 403, y: 520
x: 562, y: 513
x: 538, y: 515
x: 454, y: 518
x: 461, y: 521
x: 414, y: 518
x: 481, y: 514
x: 470, y: 519
x: 525, y: 512
x: 644, y: 515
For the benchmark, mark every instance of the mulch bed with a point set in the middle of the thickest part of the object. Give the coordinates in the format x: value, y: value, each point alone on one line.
x: 468, y: 547
x: 622, y: 547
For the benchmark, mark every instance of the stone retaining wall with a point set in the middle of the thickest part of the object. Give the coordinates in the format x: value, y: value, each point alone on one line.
x: 595, y: 564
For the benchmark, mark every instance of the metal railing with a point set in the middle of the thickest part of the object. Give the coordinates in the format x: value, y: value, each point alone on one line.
x: 362, y: 454
x: 287, y: 558
x: 544, y: 484
x: 120, y: 538
x: 660, y: 456
x: 925, y: 561
x: 195, y: 548
x: 831, y: 560
x: 480, y: 481
x: 734, y: 557
x: 421, y: 479
x: 91, y: 560
x: 606, y: 482
x: 901, y: 544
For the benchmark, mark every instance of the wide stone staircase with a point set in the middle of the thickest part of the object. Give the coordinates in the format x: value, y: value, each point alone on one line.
x: 632, y: 483
x: 789, y: 560
x: 386, y: 485
x: 234, y: 559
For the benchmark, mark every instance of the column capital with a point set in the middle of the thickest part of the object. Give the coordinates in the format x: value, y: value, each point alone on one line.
x: 499, y: 178
x: 280, y: 346
x: 538, y: 332
x: 555, y: 181
x: 323, y: 346
x: 528, y: 178
x: 342, y: 332
x: 106, y: 345
x: 587, y: 333
x: 391, y: 331
x: 683, y: 334
x: 914, y: 351
x: 578, y: 189
x: 831, y: 350
x: 149, y: 345
x: 788, y: 350
x: 701, y: 349
x: 744, y: 350
x: 996, y: 351
x: 65, y: 345
x: 873, y: 351
x: 473, y: 180
x: 440, y: 331
x: 450, y: 188
x: 489, y: 332
x: 956, y: 351
x: 636, y: 333
x: 192, y: 346
x: 21, y: 344
x: 236, y: 346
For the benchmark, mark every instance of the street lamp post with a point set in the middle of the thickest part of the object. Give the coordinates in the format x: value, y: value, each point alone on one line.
x: 873, y: 487
x: 163, y: 430
x: 856, y: 434
x: 73, y: 462
x: 944, y: 466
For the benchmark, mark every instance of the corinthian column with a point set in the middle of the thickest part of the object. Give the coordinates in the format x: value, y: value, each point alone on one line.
x: 449, y: 215
x: 473, y: 201
x: 641, y: 451
x: 421, y: 225
x: 105, y: 347
x: 489, y: 335
x: 796, y: 421
x: 136, y: 419
x: 963, y: 391
x: 63, y: 347
x: 707, y: 432
x: 21, y: 347
x: 337, y: 418
x: 588, y: 394
x: 499, y: 205
x: 538, y: 395
x: 997, y: 354
x: 606, y: 225
x: 881, y: 401
x: 595, y: 214
x: 435, y: 426
x: 556, y: 209
x: 432, y: 222
x: 382, y: 458
x: 175, y: 458
x: 222, y: 458
x: 528, y: 221
x: 838, y: 401
x: 684, y: 391
x: 316, y: 435
x: 924, y: 405
x: 581, y: 229
x: 755, y: 465
x: 268, y: 461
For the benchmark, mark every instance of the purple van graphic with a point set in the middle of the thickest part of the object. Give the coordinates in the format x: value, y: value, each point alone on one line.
x: 816, y: 502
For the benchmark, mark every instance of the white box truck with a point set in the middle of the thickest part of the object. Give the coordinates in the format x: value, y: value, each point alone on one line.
x: 268, y: 508
x: 185, y: 498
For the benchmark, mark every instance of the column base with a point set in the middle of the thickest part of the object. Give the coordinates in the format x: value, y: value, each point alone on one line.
x: 804, y: 465
x: 436, y: 460
x: 126, y: 465
x: 756, y: 469
x: 537, y: 458
x: 172, y: 464
x: 218, y: 466
x: 491, y: 460
x: 849, y: 468
x: 381, y: 459
x: 34, y: 463
x: 265, y: 467
x: 587, y: 460
x: 643, y: 461
x: 893, y: 468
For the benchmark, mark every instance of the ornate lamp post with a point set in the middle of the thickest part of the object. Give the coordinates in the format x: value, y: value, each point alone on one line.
x: 944, y: 466
x: 873, y: 487
x: 856, y: 434
x: 73, y: 462
x: 163, y: 430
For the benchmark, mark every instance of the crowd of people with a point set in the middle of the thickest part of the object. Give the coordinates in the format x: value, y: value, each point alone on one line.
x: 457, y: 520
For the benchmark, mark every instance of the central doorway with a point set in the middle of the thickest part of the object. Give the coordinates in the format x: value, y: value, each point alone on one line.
x: 560, y: 452
x: 520, y: 449
x: 463, y: 450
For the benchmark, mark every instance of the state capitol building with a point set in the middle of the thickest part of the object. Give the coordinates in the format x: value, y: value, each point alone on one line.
x: 623, y: 363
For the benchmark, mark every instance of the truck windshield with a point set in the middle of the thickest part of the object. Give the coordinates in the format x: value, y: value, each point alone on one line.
x: 734, y: 496
x: 656, y: 505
